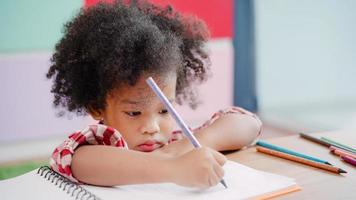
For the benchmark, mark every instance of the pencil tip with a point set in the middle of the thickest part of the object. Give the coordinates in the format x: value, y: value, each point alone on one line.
x: 223, y: 183
x: 342, y: 171
x: 328, y: 163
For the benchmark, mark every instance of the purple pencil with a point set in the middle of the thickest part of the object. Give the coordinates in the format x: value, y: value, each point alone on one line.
x: 349, y: 160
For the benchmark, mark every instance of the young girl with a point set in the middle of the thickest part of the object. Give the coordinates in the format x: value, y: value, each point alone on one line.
x: 100, y: 67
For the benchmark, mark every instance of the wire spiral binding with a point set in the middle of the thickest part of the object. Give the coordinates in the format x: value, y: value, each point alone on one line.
x: 66, y: 185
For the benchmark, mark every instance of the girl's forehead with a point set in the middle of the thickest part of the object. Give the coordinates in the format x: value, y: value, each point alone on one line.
x: 142, y: 92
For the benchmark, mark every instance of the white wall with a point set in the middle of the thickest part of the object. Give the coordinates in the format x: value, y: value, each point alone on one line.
x: 26, y: 102
x: 306, y: 61
x: 306, y: 51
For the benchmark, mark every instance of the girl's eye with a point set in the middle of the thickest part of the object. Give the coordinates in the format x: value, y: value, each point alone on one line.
x: 164, y: 111
x: 133, y: 114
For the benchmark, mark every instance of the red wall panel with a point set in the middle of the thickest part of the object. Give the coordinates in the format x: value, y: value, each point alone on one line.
x: 216, y: 13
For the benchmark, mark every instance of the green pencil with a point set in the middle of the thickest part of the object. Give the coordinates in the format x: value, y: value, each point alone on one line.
x: 341, y: 146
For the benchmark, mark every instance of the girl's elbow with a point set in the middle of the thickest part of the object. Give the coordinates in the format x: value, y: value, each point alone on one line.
x: 247, y: 130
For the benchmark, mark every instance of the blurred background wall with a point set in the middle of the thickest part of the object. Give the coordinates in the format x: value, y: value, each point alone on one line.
x: 306, y: 63
x: 29, y: 31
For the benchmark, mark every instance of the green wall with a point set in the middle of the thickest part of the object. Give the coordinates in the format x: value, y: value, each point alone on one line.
x: 33, y: 25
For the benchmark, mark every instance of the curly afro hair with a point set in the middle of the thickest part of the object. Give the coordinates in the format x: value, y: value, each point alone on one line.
x: 112, y: 44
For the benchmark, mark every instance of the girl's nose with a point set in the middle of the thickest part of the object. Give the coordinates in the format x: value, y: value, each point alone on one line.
x: 151, y: 127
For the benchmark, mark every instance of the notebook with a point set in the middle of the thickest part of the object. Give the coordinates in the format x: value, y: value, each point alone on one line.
x: 243, y: 183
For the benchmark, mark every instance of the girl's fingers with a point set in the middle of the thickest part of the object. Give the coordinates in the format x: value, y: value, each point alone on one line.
x: 220, y: 158
x: 213, y: 178
x: 219, y: 171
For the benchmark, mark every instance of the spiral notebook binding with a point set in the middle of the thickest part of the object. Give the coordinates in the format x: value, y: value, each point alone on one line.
x: 65, y: 184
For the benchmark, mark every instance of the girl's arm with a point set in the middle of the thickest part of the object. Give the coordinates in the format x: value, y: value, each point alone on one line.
x: 229, y: 132
x: 109, y: 166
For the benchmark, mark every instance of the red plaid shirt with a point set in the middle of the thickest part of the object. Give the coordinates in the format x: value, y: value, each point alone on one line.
x: 100, y: 134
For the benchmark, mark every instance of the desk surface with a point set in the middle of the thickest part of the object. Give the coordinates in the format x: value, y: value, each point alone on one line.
x: 315, y: 183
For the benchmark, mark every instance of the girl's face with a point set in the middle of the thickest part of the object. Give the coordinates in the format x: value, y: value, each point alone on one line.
x: 137, y: 113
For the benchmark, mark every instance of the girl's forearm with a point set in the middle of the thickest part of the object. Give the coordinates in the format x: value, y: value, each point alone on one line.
x: 109, y: 166
x: 229, y: 132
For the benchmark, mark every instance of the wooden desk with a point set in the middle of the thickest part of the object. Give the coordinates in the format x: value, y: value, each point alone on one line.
x: 315, y: 183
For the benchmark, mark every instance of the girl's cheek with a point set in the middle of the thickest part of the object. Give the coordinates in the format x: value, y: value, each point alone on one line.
x: 171, y: 123
x: 168, y: 126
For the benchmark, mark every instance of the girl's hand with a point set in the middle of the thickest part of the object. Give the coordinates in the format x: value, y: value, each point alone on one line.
x: 183, y: 146
x: 200, y: 168
x: 172, y: 150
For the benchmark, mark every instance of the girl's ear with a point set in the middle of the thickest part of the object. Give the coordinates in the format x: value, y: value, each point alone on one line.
x: 96, y: 114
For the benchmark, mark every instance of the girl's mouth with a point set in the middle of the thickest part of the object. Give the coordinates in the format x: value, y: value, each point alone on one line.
x: 149, y: 145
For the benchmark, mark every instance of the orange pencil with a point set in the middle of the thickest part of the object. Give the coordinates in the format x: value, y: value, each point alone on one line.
x: 300, y: 160
x: 341, y: 152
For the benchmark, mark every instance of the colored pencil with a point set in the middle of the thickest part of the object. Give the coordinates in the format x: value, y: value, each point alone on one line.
x: 294, y: 153
x: 314, y: 139
x: 176, y: 116
x: 300, y: 160
x: 341, y: 146
x: 349, y: 160
x: 326, y: 142
x: 340, y: 152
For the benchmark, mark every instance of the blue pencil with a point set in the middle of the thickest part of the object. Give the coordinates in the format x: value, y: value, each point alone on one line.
x: 176, y: 116
x: 284, y: 150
